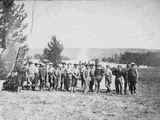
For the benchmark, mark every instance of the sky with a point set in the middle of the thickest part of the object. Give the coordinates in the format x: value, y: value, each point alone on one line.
x: 94, y: 23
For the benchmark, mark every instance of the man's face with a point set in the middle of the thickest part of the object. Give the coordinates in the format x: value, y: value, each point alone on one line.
x: 91, y: 66
x: 50, y: 65
x: 119, y: 67
x: 134, y: 66
x: 88, y: 67
x: 107, y: 67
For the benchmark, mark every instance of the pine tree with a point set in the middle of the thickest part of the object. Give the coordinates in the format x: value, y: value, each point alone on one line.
x: 53, y: 51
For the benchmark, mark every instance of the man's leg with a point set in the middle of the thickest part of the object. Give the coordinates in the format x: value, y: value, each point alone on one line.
x: 83, y: 83
x: 85, y: 86
x: 98, y: 86
x: 125, y: 86
x: 120, y: 86
x: 72, y: 84
x: 131, y: 85
x: 116, y: 85
x: 65, y: 86
x: 55, y: 84
x: 134, y: 86
x: 91, y: 84
x: 107, y: 84
x: 62, y: 82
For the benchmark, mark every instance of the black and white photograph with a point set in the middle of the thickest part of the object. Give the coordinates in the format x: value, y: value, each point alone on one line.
x: 79, y: 59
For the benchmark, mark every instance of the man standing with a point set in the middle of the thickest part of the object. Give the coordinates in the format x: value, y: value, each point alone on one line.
x: 132, y: 78
x: 20, y: 69
x: 87, y: 78
x: 92, y: 71
x: 99, y: 72
x: 63, y: 76
x: 36, y: 73
x: 51, y: 76
x: 42, y: 74
x: 68, y: 77
x: 82, y: 68
x: 108, y: 78
x: 125, y: 76
x: 57, y: 74
x: 118, y: 79
x: 31, y: 74
x: 75, y: 78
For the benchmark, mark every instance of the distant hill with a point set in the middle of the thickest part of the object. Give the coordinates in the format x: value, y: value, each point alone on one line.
x: 74, y: 53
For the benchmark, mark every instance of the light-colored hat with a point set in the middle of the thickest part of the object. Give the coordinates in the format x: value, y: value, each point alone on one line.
x: 132, y: 63
x: 50, y: 63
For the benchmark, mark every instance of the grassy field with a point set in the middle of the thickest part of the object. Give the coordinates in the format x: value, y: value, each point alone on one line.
x: 149, y: 82
x: 29, y: 105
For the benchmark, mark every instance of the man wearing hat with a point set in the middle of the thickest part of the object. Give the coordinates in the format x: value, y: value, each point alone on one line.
x: 30, y: 73
x: 69, y: 75
x: 81, y: 69
x: 51, y: 76
x: 57, y: 78
x: 42, y: 74
x: 92, y: 71
x: 75, y: 77
x: 36, y: 76
x: 125, y: 76
x: 108, y: 78
x: 118, y: 79
x: 99, y: 72
x: 132, y: 78
x: 20, y: 69
x: 63, y: 76
x: 87, y: 78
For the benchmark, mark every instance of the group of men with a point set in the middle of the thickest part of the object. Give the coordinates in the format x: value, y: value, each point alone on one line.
x: 67, y: 76
x: 126, y: 78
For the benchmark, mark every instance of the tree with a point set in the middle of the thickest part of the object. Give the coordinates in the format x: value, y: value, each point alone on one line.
x: 12, y: 26
x: 53, y: 51
x: 12, y: 23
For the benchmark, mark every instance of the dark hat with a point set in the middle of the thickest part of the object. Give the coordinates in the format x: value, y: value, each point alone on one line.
x: 30, y: 62
x: 36, y: 63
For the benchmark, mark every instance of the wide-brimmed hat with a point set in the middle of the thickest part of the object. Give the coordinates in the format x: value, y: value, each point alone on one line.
x: 50, y: 63
x: 132, y: 63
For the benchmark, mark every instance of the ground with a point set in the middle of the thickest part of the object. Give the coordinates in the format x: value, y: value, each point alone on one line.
x: 29, y: 105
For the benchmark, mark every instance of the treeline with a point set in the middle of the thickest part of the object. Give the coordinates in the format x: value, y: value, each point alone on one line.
x: 148, y: 58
